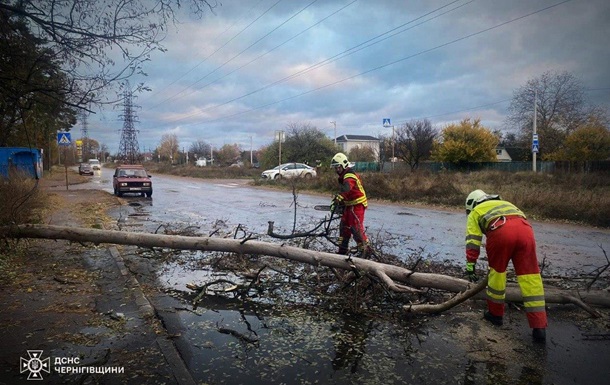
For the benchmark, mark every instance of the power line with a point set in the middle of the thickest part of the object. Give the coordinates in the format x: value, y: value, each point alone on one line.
x: 384, y: 65
x: 245, y: 28
x: 210, y: 55
x: 279, y: 45
x: 253, y: 44
x: 336, y: 57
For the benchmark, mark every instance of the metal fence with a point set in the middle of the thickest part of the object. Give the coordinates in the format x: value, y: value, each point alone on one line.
x: 602, y: 166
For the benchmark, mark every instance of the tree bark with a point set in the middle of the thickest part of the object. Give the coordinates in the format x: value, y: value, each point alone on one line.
x: 400, y: 279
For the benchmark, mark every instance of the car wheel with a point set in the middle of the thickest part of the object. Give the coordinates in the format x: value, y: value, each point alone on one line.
x: 308, y: 175
x: 277, y: 176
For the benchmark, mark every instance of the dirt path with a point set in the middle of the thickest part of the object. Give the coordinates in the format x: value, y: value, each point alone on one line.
x: 87, y: 311
x: 80, y: 307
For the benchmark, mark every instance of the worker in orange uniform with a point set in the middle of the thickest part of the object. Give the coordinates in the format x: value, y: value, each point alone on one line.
x: 509, y: 237
x: 353, y: 199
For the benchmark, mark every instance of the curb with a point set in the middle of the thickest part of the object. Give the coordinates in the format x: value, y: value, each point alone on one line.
x: 146, y: 309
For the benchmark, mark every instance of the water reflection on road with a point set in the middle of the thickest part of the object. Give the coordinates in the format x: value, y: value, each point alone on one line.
x: 227, y: 341
x: 437, y: 234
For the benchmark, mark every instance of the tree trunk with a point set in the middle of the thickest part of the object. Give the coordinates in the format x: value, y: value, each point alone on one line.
x: 396, y: 278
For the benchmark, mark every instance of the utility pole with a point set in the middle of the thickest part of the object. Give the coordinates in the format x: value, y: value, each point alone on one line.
x: 535, y: 135
x: 251, y: 151
x: 334, y: 122
x: 393, y: 141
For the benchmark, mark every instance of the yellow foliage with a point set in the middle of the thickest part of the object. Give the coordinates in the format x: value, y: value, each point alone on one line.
x: 467, y: 141
x: 588, y: 142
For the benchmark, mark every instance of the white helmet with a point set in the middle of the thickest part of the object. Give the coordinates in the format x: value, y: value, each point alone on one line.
x: 339, y: 160
x: 476, y: 197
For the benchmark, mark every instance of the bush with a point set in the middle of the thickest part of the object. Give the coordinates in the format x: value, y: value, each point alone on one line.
x: 21, y: 201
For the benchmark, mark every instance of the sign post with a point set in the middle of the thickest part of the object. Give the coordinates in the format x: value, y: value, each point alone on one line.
x: 386, y: 124
x: 535, y: 135
x: 64, y: 140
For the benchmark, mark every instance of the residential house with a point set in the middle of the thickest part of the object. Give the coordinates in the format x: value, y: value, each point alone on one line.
x: 349, y: 142
x: 502, y: 155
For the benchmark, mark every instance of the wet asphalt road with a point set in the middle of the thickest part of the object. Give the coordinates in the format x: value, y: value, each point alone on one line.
x: 435, y: 233
x: 308, y: 346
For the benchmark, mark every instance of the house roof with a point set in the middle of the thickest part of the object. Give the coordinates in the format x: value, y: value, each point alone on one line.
x: 345, y: 138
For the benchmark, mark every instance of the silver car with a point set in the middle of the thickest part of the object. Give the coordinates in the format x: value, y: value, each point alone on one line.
x: 290, y: 170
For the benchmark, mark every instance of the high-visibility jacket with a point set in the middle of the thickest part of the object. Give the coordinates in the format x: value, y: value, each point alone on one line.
x: 351, y: 191
x: 484, y: 217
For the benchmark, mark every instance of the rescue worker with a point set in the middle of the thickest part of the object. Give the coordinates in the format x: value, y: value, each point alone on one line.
x: 509, y: 237
x: 353, y: 199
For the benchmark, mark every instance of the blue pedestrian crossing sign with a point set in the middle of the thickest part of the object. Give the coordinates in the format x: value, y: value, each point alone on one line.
x: 535, y: 147
x: 386, y: 122
x: 64, y: 139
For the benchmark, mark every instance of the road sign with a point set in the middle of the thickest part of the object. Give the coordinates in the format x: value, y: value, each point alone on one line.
x: 535, y: 147
x: 386, y: 122
x: 64, y: 139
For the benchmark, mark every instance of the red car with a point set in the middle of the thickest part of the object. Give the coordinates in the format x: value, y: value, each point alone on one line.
x: 131, y: 178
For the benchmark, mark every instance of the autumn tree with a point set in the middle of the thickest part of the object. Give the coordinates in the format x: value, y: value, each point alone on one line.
x: 362, y: 154
x: 60, y: 56
x: 560, y: 109
x: 168, y: 147
x: 304, y: 144
x: 413, y: 142
x: 591, y: 141
x: 200, y: 148
x: 88, y: 34
x: 227, y: 155
x: 32, y: 103
x: 467, y: 141
x: 91, y: 148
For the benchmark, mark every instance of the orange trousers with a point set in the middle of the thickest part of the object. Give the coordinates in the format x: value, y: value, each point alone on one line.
x: 352, y: 223
x: 514, y: 241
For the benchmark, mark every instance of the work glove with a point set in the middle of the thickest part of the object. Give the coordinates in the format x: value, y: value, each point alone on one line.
x: 334, y: 204
x: 470, y: 271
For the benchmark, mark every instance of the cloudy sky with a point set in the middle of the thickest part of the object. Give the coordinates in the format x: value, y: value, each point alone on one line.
x: 254, y: 67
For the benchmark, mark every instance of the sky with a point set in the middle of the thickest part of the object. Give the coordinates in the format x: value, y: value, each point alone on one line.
x: 253, y: 68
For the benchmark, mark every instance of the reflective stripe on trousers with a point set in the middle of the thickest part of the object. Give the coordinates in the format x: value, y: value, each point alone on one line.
x: 514, y: 241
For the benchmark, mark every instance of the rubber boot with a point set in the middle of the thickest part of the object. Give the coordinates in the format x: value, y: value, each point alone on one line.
x: 539, y: 335
x: 494, y: 319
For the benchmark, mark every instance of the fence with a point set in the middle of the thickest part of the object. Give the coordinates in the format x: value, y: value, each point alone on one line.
x: 602, y: 166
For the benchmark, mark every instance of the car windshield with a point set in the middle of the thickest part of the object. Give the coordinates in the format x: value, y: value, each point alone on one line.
x: 132, y: 173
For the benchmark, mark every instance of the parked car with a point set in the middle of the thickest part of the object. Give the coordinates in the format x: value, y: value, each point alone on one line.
x: 290, y: 170
x: 95, y: 164
x: 85, y: 169
x: 131, y: 178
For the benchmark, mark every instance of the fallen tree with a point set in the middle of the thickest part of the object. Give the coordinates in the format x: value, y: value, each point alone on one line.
x: 395, y: 278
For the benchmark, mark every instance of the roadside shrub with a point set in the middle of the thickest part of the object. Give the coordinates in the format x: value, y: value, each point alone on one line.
x: 21, y: 201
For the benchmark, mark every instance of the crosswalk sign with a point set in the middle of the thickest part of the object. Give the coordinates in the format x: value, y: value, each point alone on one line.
x: 386, y: 122
x: 64, y: 139
x: 535, y: 148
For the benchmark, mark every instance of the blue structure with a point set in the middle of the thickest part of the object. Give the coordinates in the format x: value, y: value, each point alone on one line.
x: 22, y: 159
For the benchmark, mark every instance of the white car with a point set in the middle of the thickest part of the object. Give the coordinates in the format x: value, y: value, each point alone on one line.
x: 95, y: 164
x: 290, y: 170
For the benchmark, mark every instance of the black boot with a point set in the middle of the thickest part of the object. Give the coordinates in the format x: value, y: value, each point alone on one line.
x: 494, y: 319
x: 539, y: 335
